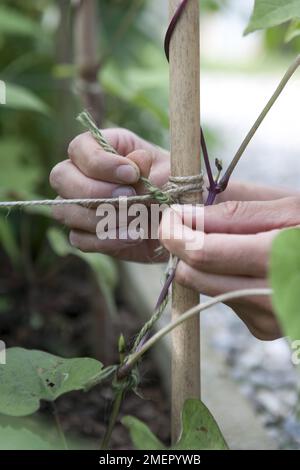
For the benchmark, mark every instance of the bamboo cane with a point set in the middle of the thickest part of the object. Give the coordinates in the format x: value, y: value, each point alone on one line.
x: 87, y: 57
x: 185, y: 161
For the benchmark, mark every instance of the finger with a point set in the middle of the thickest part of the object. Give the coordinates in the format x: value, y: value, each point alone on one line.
x: 153, y: 164
x: 241, y: 191
x: 89, y: 243
x: 70, y: 183
x: 217, y: 253
x: 76, y: 217
x: 252, y: 217
x: 94, y: 162
x: 87, y: 219
x: 255, y: 311
x: 213, y: 285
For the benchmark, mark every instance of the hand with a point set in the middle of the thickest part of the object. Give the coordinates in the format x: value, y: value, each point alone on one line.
x: 90, y: 172
x: 235, y: 254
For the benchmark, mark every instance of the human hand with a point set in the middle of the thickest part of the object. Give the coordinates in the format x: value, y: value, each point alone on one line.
x: 90, y: 172
x: 237, y: 241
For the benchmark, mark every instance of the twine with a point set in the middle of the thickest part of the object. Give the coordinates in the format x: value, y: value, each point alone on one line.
x: 169, y: 194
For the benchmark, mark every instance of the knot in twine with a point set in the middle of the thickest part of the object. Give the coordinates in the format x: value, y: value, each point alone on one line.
x: 177, y: 186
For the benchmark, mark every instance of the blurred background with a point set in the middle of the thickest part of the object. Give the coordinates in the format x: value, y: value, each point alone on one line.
x: 58, y: 57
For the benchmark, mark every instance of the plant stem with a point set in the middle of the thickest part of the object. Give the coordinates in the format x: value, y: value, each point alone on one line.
x: 112, y: 419
x: 135, y: 357
x: 288, y: 75
x: 86, y: 42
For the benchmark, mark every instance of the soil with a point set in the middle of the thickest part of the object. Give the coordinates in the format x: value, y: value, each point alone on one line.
x: 55, y: 311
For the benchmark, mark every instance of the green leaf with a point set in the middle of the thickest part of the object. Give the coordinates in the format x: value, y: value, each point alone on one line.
x: 268, y: 13
x: 141, y: 436
x: 285, y: 281
x: 14, y: 23
x: 199, y: 431
x: 293, y: 31
x: 36, y: 433
x: 20, y: 98
x: 21, y: 171
x: 18, y: 435
x: 31, y: 376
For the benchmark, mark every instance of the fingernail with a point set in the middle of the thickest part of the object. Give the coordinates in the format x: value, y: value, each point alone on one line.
x: 127, y: 173
x: 125, y: 191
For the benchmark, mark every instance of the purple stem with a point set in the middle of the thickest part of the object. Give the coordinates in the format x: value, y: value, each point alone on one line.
x: 206, y: 161
x: 172, y: 27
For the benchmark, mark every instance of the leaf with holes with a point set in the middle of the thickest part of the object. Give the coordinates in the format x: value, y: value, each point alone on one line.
x: 285, y: 281
x: 31, y: 376
x: 199, y: 431
x: 268, y: 13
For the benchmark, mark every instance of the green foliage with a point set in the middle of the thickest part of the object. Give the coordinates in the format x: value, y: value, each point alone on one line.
x: 21, y: 171
x: 285, y: 280
x: 20, y: 98
x: 31, y: 376
x: 34, y: 433
x: 268, y: 13
x: 19, y: 435
x: 14, y: 23
x: 293, y: 30
x: 199, y: 431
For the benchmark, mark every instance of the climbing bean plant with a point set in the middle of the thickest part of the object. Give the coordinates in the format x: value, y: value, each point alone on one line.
x: 32, y: 376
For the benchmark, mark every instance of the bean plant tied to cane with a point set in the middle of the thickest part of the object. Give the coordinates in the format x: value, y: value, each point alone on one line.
x: 31, y: 376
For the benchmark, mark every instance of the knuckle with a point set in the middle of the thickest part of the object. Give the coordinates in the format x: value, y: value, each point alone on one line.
x: 58, y: 214
x: 292, y: 215
x: 233, y: 208
x: 183, y: 274
x: 196, y: 258
x: 75, y: 144
x: 56, y: 176
x: 93, y: 160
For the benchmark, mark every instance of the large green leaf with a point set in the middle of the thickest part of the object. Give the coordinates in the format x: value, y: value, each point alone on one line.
x: 14, y: 23
x: 199, y: 431
x: 285, y: 281
x: 36, y: 433
x: 31, y: 376
x: 16, y: 435
x: 268, y: 13
x: 20, y: 98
